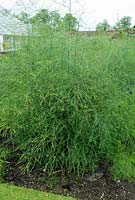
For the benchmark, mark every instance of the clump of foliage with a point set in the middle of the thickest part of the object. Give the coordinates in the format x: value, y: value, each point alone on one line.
x: 3, y: 157
x: 123, y: 26
x: 103, y: 26
x: 124, y: 166
x: 124, y: 23
x: 51, y: 20
x: 68, y: 102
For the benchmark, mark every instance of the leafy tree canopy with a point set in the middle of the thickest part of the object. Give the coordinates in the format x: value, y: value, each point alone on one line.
x: 24, y: 17
x: 103, y: 26
x: 124, y: 23
x: 133, y: 27
x: 70, y: 22
x: 42, y: 17
x: 55, y: 21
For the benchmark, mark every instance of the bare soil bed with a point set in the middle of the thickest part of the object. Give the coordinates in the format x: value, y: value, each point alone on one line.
x: 70, y: 185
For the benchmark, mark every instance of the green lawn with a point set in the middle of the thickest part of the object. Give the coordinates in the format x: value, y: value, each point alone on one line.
x: 8, y: 192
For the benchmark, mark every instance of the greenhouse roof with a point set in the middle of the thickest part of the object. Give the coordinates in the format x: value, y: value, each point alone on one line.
x: 11, y: 25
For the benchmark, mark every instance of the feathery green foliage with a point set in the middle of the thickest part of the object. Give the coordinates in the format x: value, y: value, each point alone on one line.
x: 67, y: 102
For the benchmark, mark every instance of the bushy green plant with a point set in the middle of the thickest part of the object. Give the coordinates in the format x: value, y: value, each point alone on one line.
x: 124, y: 167
x: 2, y: 168
x: 3, y: 157
x: 67, y: 103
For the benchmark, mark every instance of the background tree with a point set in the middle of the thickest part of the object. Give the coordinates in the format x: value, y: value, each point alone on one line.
x: 133, y: 28
x: 55, y: 20
x: 103, y: 26
x: 24, y: 17
x: 41, y: 18
x: 70, y: 22
x: 124, y: 23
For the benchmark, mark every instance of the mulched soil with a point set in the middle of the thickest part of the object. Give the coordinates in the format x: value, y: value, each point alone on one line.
x: 69, y: 185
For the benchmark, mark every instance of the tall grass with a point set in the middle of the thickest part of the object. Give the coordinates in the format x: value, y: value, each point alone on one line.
x: 67, y: 102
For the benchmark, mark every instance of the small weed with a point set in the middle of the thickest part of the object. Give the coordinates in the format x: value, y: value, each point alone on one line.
x: 3, y: 157
x: 53, y: 181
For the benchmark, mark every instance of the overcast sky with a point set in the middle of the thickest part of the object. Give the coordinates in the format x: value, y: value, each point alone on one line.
x: 91, y: 12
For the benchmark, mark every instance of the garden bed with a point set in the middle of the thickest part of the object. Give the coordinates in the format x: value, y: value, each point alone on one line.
x: 70, y: 185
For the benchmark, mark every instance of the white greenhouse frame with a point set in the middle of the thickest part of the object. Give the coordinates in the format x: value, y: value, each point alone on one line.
x: 11, y: 29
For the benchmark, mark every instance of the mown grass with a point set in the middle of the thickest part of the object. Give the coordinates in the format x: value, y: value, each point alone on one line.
x: 8, y: 192
x: 67, y: 102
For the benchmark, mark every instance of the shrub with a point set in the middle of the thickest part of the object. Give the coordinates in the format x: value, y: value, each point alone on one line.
x: 66, y: 101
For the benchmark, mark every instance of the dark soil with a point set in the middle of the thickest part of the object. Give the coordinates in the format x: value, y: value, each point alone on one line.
x: 70, y: 185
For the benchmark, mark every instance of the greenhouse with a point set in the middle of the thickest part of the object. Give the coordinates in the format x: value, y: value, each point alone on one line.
x: 11, y: 30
